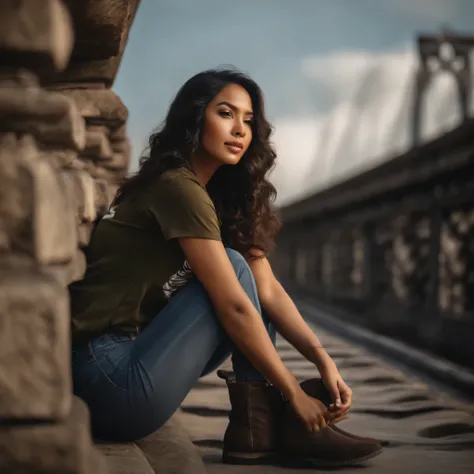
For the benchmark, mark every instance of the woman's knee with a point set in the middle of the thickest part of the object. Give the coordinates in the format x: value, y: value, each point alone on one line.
x: 238, y: 261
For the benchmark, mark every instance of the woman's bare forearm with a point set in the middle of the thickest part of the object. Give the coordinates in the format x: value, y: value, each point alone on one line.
x: 284, y: 314
x: 290, y: 324
x: 245, y: 327
x: 236, y: 312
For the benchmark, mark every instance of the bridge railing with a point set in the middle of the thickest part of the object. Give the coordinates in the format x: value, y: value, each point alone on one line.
x: 394, y: 246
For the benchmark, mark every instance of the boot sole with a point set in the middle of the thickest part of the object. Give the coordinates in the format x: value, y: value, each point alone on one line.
x: 315, y: 462
x: 272, y: 458
x: 248, y: 458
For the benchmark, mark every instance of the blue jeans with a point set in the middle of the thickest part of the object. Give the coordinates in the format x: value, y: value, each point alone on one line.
x: 133, y: 385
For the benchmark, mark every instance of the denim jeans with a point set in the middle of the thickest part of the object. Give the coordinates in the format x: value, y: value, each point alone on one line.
x: 133, y: 385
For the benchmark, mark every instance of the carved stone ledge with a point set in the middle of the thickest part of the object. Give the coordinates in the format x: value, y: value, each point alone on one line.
x: 35, y: 34
x: 34, y: 339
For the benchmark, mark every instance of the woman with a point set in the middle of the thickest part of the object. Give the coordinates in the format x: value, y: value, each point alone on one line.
x: 178, y: 279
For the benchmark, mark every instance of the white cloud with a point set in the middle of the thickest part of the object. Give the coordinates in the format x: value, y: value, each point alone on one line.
x: 369, y: 121
x: 296, y: 144
x: 434, y: 10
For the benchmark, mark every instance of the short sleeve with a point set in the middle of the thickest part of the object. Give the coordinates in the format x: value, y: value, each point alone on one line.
x: 182, y: 208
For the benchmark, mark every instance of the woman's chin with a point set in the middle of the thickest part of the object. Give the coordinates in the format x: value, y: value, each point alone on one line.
x: 230, y: 159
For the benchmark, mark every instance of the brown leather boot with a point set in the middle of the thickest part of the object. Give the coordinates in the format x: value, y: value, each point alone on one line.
x: 327, y: 448
x: 315, y: 388
x: 263, y: 428
x: 251, y: 435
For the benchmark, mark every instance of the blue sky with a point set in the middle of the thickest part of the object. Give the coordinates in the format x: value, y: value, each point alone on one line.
x: 327, y: 67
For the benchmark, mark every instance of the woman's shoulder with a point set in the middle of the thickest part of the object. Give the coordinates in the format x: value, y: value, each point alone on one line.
x: 178, y: 174
x: 180, y: 183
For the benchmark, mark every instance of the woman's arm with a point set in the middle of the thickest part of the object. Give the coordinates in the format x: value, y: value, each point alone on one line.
x: 290, y: 324
x: 284, y: 314
x: 237, y: 314
x: 243, y: 323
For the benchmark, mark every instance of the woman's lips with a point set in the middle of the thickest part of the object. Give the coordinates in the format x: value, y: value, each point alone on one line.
x: 234, y: 148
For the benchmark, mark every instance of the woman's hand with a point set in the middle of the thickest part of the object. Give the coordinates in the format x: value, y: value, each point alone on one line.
x: 340, y: 392
x: 311, y: 411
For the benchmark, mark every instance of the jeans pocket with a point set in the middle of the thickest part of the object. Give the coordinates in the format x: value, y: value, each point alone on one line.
x: 111, y: 358
x: 85, y: 373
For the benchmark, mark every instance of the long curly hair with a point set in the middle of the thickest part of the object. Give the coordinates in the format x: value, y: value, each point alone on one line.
x: 241, y: 193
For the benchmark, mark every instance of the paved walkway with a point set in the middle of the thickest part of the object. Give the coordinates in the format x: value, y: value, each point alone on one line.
x: 423, y: 431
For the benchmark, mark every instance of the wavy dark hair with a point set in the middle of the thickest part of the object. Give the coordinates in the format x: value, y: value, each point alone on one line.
x: 241, y: 193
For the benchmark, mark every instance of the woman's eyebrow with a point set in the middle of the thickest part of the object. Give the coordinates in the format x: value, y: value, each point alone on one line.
x: 233, y: 107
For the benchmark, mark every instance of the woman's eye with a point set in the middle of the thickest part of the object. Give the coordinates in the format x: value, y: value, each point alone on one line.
x: 249, y: 122
x: 225, y: 113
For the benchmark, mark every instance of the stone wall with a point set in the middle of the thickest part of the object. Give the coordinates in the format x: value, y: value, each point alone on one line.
x: 63, y: 149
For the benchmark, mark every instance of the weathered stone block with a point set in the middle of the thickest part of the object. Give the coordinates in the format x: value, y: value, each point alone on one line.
x: 120, y: 146
x: 119, y: 162
x: 99, y: 106
x: 101, y: 27
x: 59, y: 159
x: 51, y: 448
x: 170, y: 450
x: 118, y: 134
x: 66, y: 273
x: 103, y: 198
x: 114, y: 176
x: 92, y: 167
x: 76, y: 268
x: 35, y: 380
x: 18, y: 78
x: 34, y: 216
x: 50, y: 117
x: 101, y: 71
x: 81, y: 192
x: 125, y: 458
x: 37, y: 34
x: 84, y: 232
x: 65, y: 86
x: 97, y: 143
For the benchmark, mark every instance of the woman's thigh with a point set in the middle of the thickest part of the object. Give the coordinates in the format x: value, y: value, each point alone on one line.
x: 170, y: 355
x: 100, y: 371
x: 133, y: 387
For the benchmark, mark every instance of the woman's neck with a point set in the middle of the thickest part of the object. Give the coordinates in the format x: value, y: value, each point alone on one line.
x: 203, y: 168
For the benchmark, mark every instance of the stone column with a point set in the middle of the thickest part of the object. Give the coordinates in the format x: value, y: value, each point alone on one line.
x: 63, y: 149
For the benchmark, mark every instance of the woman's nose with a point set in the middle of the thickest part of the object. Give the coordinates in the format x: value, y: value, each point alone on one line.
x: 239, y: 130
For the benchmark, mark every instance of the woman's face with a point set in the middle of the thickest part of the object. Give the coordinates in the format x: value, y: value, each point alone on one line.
x: 227, y: 130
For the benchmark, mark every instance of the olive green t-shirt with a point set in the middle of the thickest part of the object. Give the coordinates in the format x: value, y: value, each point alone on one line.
x: 134, y: 262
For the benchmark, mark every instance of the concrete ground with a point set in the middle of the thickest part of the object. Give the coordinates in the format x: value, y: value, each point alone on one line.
x: 423, y: 431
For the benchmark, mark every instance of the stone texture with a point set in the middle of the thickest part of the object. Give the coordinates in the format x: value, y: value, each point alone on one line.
x: 103, y: 197
x: 37, y: 34
x: 101, y: 71
x: 169, y: 450
x: 34, y: 217
x: 422, y: 431
x: 34, y: 340
x: 50, y: 117
x: 97, y: 143
x: 81, y: 190
x: 51, y: 448
x: 59, y: 159
x: 99, y: 107
x: 125, y: 458
x: 84, y: 232
x: 119, y: 161
x: 118, y: 134
x: 18, y: 78
x: 71, y: 271
x: 48, y: 204
x: 101, y: 27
